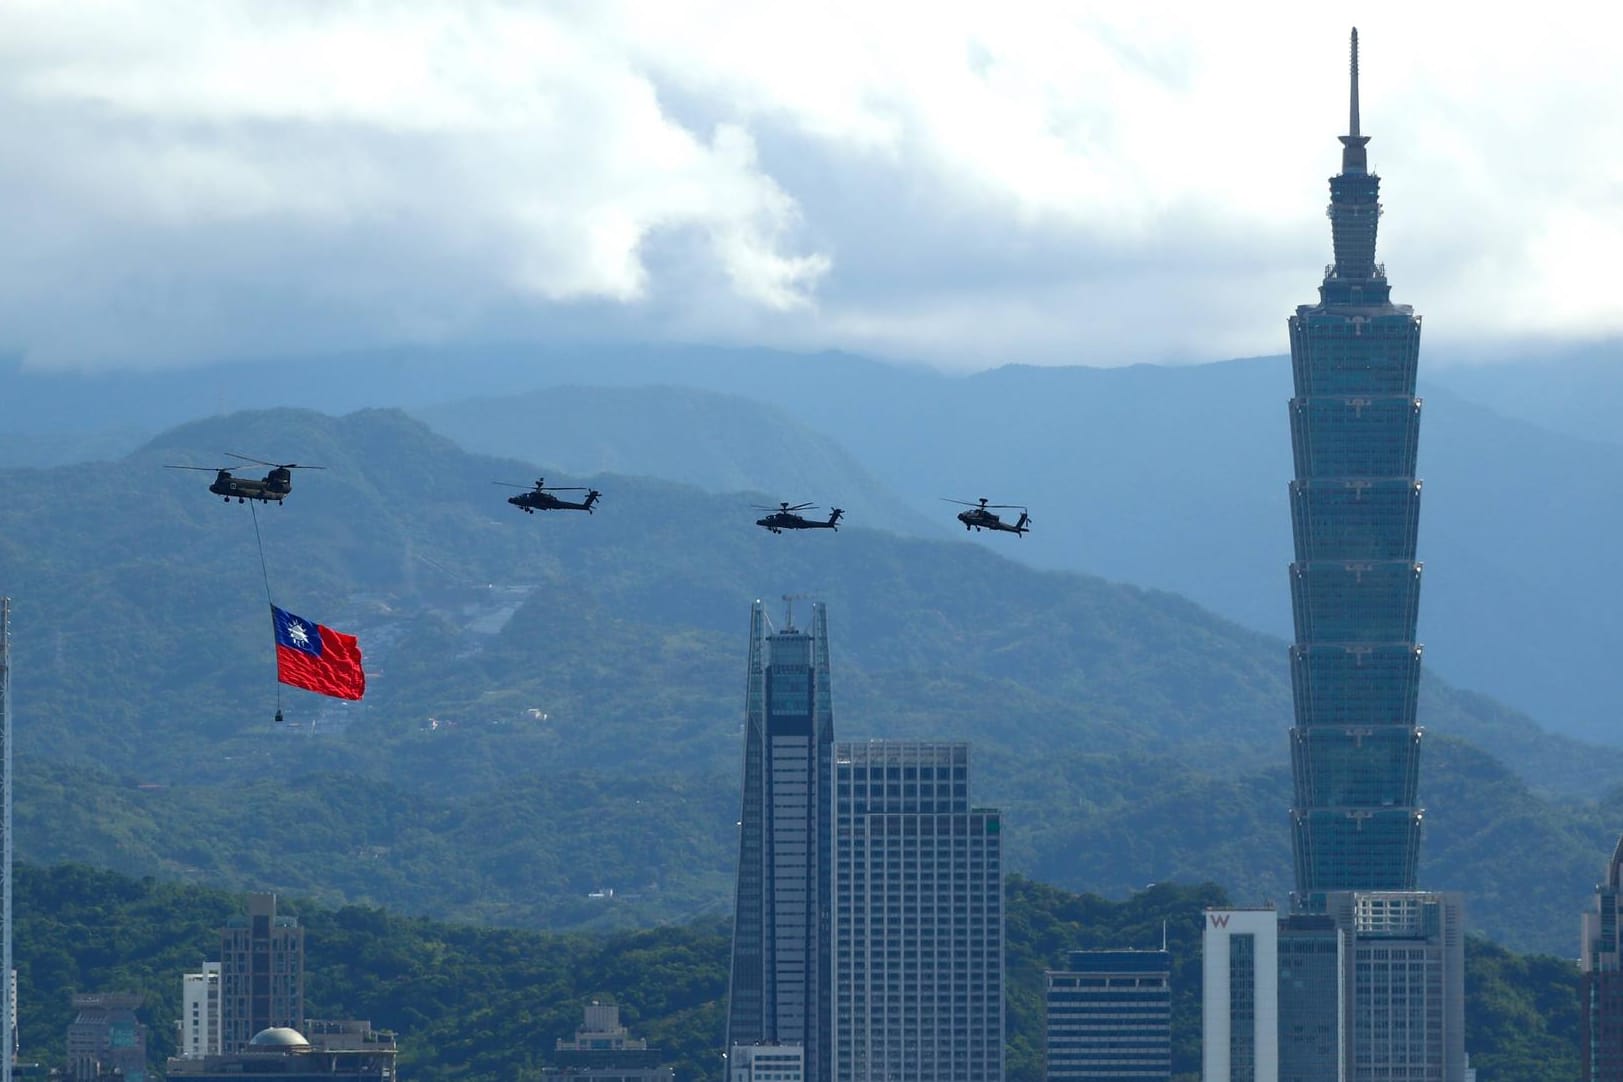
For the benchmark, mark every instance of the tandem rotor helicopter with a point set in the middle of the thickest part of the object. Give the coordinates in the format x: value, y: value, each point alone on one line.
x: 541, y: 498
x: 272, y: 488
x: 783, y: 517
x: 981, y: 517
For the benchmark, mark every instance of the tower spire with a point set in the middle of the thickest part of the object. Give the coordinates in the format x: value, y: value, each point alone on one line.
x: 1352, y: 123
x: 1353, y: 159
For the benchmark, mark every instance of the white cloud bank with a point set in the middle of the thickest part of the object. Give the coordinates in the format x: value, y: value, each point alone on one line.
x: 961, y: 182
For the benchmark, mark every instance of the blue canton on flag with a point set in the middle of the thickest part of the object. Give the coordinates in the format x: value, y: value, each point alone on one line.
x: 296, y: 632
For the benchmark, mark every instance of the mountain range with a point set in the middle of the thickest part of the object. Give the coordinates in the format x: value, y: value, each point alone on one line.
x: 551, y: 734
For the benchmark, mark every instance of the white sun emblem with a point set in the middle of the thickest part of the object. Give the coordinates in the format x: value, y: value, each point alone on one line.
x: 297, y: 633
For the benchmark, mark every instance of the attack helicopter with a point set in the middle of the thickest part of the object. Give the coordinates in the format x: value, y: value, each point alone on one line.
x: 783, y: 517
x: 272, y: 488
x: 541, y: 498
x: 981, y: 517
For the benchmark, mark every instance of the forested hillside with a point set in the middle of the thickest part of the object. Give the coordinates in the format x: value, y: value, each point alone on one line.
x: 474, y: 1004
x: 554, y: 703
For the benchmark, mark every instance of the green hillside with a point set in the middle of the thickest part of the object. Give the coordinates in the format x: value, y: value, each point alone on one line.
x: 471, y: 1004
x: 554, y: 700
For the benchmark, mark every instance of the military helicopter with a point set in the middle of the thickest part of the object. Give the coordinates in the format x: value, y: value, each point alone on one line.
x: 783, y: 517
x: 541, y: 498
x: 272, y: 488
x: 980, y: 517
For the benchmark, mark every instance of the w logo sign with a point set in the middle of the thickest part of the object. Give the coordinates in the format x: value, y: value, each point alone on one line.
x: 1219, y: 920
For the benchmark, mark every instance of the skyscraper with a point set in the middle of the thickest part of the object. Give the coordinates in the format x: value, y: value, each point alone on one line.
x: 1600, y: 960
x: 778, y: 991
x: 1355, y: 585
x: 917, y: 973
x: 261, y: 974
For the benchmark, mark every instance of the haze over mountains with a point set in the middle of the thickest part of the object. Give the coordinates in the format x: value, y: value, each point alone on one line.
x: 1173, y: 478
x: 554, y: 701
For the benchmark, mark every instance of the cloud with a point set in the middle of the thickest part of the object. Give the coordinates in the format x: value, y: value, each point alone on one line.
x: 952, y: 181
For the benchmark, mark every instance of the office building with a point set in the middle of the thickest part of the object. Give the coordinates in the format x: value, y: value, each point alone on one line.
x: 767, y: 1063
x: 1405, y: 991
x: 1600, y: 989
x: 778, y: 990
x: 1312, y: 999
x: 261, y: 974
x: 105, y: 1039
x: 603, y: 1050
x: 918, y: 918
x: 1355, y: 583
x: 1239, y: 1008
x: 346, y: 1050
x: 200, y: 1012
x: 1109, y: 1017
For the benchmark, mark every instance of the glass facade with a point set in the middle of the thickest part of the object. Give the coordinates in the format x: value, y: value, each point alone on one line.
x: 1601, y: 987
x: 1355, y: 583
x: 778, y: 992
x: 918, y: 918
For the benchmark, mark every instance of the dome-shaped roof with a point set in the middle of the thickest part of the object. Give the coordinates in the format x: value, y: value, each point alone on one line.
x: 280, y: 1039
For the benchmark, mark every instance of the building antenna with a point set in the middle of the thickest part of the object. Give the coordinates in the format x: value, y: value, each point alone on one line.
x: 789, y: 609
x: 1352, y: 120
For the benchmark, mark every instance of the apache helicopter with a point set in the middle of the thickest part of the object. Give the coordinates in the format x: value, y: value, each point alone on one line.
x: 783, y: 517
x: 980, y: 517
x: 541, y: 498
x: 272, y: 488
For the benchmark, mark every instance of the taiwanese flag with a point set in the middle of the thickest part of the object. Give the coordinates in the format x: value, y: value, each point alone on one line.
x: 317, y: 658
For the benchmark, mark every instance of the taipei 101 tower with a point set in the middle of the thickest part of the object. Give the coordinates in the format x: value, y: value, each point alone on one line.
x: 1355, y: 585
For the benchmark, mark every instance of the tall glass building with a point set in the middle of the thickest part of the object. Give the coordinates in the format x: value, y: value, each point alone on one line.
x: 1355, y: 584
x: 918, y: 918
x: 778, y: 993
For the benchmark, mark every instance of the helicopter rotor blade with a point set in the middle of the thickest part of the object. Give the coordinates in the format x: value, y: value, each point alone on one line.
x: 274, y: 465
x: 205, y: 469
x: 966, y: 503
x: 509, y: 484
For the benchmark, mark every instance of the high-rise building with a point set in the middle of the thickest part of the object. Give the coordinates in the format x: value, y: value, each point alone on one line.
x: 918, y: 918
x: 1600, y: 961
x: 1355, y: 584
x: 604, y: 1051
x: 1312, y: 999
x: 767, y: 1063
x: 200, y: 1012
x: 1239, y: 1009
x: 106, y: 1039
x: 778, y: 992
x: 1110, y: 1017
x: 1405, y: 985
x: 261, y: 974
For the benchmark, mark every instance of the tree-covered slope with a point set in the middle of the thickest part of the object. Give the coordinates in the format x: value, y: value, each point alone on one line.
x: 471, y: 1003
x: 530, y: 674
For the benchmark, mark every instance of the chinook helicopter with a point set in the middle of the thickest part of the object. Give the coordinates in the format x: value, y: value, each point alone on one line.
x: 981, y: 517
x: 272, y: 488
x: 783, y: 517
x: 541, y: 498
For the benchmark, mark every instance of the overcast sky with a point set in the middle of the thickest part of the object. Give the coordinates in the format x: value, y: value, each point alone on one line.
x: 966, y: 184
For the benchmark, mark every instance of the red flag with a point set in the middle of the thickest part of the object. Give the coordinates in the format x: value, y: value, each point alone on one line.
x: 317, y: 658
